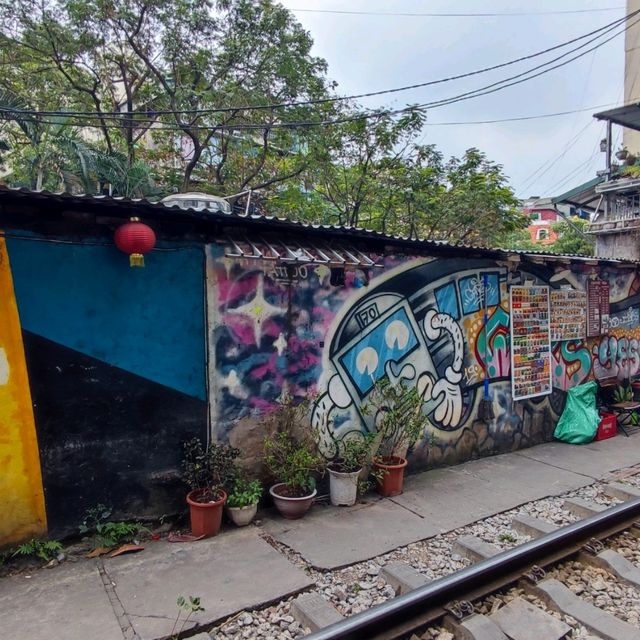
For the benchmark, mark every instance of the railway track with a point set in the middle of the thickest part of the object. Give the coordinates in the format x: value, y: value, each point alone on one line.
x: 536, y: 567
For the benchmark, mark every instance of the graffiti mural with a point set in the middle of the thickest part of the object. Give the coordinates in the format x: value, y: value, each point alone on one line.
x: 416, y: 321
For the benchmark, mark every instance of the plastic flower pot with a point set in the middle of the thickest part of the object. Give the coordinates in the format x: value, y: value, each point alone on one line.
x: 343, y: 487
x: 242, y: 516
x: 392, y: 477
x: 290, y: 507
x: 206, y: 517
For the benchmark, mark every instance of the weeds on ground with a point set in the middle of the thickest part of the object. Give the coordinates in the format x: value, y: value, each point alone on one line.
x: 105, y: 533
x: 46, y: 550
x: 507, y: 536
x: 189, y: 606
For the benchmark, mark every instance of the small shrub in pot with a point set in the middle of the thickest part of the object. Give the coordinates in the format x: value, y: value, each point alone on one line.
x: 242, y: 503
x: 400, y: 423
x: 354, y: 454
x: 209, y: 471
x: 292, y: 460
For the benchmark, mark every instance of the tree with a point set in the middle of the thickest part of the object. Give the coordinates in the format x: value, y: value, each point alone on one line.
x: 572, y: 238
x: 179, y: 72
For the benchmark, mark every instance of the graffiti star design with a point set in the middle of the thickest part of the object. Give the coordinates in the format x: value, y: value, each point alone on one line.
x: 258, y: 309
x: 280, y: 344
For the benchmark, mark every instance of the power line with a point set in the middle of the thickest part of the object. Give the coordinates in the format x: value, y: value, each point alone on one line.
x: 506, y: 14
x: 488, y: 89
x: 547, y: 165
x: 492, y: 88
x: 606, y: 28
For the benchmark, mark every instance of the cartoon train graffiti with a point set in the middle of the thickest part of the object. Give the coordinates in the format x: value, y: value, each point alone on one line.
x: 419, y: 322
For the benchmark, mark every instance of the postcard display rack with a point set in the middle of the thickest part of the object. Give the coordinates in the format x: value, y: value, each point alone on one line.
x: 568, y: 314
x: 530, y: 342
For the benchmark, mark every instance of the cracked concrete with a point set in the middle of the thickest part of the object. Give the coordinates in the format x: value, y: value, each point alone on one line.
x: 134, y: 597
x: 444, y: 499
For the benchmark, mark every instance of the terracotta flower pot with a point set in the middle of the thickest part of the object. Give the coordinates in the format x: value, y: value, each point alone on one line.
x: 290, y: 507
x: 392, y: 480
x: 242, y: 516
x: 206, y: 517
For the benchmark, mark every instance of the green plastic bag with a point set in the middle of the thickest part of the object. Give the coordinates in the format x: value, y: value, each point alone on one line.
x: 579, y: 420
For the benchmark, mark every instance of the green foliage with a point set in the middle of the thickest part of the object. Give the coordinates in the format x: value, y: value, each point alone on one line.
x: 211, y: 468
x: 292, y: 462
x: 105, y: 533
x: 154, y: 60
x: 46, y: 550
x: 354, y: 452
x: 189, y: 607
x: 399, y: 418
x: 572, y: 238
x: 244, y: 493
x: 623, y: 393
x: 507, y: 536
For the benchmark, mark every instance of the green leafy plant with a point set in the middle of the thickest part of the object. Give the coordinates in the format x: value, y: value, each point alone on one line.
x: 354, y: 452
x: 211, y: 469
x: 291, y: 455
x: 623, y: 393
x: 44, y: 549
x: 399, y: 419
x: 292, y: 462
x: 105, y: 533
x: 244, y: 493
x: 189, y: 607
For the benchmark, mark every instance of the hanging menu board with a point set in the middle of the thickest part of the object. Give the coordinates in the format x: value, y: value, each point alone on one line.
x: 530, y: 342
x: 597, y: 308
x: 568, y: 314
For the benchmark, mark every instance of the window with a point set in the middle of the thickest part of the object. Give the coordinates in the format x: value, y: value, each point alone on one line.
x: 542, y: 234
x: 535, y: 216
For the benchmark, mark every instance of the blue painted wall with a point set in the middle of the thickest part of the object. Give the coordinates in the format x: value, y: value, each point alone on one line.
x: 149, y: 321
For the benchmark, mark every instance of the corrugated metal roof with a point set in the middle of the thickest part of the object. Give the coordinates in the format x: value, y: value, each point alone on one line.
x: 124, y: 207
x: 626, y: 116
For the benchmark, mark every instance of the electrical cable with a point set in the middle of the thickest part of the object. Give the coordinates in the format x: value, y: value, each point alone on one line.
x: 334, y: 99
x: 507, y: 14
x: 376, y: 114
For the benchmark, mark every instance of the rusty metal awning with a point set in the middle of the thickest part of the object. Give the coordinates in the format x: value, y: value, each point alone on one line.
x: 290, y: 251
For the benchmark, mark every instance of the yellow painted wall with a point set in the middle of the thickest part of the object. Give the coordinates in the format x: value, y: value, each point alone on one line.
x: 22, y: 512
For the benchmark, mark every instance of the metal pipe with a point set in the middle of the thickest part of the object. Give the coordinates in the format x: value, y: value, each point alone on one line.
x: 399, y: 610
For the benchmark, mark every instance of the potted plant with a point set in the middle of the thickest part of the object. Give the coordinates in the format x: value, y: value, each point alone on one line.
x: 622, y: 153
x: 209, y: 471
x: 354, y: 453
x: 242, y: 503
x: 293, y: 463
x: 400, y: 422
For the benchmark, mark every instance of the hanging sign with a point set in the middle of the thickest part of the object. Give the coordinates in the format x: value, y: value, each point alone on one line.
x: 597, y: 308
x: 530, y: 342
x: 568, y: 314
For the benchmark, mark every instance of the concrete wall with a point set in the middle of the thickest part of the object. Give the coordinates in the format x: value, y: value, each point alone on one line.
x: 418, y: 320
x: 116, y: 359
x: 631, y: 139
x: 117, y: 363
x: 624, y: 245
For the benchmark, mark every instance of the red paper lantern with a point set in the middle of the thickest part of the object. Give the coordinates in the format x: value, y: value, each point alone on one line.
x: 136, y: 239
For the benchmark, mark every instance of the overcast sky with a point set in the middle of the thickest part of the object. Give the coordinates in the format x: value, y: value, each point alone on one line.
x: 372, y: 52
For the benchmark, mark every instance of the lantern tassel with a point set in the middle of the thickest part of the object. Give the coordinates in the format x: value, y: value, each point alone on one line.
x: 136, y: 260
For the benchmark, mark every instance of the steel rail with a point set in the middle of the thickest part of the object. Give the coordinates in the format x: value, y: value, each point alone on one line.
x: 404, y: 614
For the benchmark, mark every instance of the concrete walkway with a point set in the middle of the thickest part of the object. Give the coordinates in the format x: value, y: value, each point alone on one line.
x: 135, y: 596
